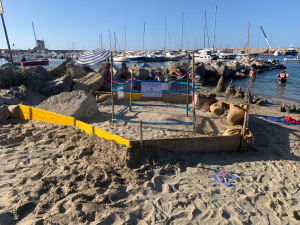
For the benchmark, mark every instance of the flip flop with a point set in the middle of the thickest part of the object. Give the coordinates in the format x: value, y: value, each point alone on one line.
x: 221, y: 179
x: 227, y: 175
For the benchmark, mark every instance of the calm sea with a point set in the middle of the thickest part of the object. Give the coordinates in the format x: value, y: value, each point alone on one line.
x: 265, y: 84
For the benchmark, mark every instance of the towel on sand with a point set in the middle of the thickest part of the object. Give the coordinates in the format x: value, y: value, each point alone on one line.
x: 283, y: 119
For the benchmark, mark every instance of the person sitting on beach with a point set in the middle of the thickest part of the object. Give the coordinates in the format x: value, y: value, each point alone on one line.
x: 158, y: 77
x: 252, y: 73
x: 124, y: 73
x: 282, y: 76
x: 106, y: 74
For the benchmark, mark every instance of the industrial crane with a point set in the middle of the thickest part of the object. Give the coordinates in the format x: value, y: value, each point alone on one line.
x: 270, y: 50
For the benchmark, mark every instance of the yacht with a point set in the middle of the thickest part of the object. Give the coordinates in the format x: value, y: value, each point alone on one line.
x: 156, y: 56
x: 205, y: 54
x: 225, y: 55
x: 291, y: 51
x: 172, y: 57
x: 277, y: 52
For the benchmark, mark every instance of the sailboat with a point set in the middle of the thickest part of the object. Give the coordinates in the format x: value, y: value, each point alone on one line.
x: 245, y: 52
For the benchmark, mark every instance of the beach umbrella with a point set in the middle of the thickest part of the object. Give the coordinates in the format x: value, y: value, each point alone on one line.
x: 93, y: 57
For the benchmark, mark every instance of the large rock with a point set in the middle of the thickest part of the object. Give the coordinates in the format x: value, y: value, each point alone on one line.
x: 221, y: 68
x: 93, y: 81
x: 59, y: 70
x: 78, y: 104
x: 19, y: 92
x: 8, y: 77
x: 142, y: 73
x: 4, y: 113
x: 37, y: 78
x: 77, y: 71
x: 181, y: 66
x: 57, y: 86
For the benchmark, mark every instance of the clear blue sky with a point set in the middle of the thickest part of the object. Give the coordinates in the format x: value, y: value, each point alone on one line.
x: 63, y: 22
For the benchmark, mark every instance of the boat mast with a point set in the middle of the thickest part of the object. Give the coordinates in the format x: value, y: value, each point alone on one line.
x: 182, y: 32
x: 248, y: 38
x: 156, y: 36
x: 115, y: 41
x: 215, y: 28
x: 204, y: 27
x: 165, y: 31
x: 34, y: 34
x: 125, y: 40
x: 101, y: 41
x: 144, y: 35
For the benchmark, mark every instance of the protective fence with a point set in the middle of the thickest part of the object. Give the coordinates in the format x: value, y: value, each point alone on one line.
x: 155, y: 102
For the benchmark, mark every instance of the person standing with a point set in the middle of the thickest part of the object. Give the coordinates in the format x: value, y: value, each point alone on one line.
x: 252, y: 73
x: 106, y: 74
x: 281, y: 77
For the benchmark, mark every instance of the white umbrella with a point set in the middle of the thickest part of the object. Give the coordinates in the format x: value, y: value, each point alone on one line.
x: 93, y: 57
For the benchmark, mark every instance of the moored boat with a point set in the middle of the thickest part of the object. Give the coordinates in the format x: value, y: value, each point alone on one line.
x: 291, y: 51
x: 35, y: 63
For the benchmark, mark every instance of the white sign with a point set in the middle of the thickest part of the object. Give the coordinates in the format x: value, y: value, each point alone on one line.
x: 1, y: 8
x: 151, y: 89
x: 120, y: 93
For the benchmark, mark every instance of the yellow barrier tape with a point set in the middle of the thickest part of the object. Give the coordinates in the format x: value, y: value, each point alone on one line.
x: 108, y: 136
x: 39, y: 114
x: 27, y: 112
x: 86, y: 127
x: 24, y: 112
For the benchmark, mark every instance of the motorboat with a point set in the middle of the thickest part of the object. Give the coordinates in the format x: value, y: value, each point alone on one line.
x: 172, y: 57
x: 291, y: 51
x: 155, y: 57
x: 41, y: 62
x: 205, y: 54
x: 137, y: 58
x: 226, y: 55
x: 294, y: 60
x: 278, y: 52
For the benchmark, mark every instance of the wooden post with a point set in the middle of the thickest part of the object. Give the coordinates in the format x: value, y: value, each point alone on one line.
x: 141, y: 133
x: 193, y: 80
x: 187, y: 86
x: 131, y: 90
x: 112, y: 85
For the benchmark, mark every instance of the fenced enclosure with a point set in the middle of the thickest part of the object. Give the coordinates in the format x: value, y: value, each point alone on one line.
x: 156, y: 103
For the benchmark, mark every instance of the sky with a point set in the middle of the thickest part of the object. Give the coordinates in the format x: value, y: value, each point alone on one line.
x: 66, y: 24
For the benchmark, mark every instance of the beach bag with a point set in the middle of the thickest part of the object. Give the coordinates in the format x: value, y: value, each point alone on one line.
x: 235, y: 115
x: 217, y: 108
x: 203, y: 103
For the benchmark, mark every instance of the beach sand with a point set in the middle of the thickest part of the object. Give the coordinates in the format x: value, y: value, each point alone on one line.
x: 52, y: 174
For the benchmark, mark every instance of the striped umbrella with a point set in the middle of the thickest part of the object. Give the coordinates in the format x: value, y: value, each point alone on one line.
x: 93, y: 57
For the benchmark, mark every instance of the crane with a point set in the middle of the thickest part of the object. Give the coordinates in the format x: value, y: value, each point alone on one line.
x: 270, y: 48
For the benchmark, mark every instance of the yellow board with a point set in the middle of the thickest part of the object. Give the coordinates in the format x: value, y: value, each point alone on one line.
x: 24, y: 112
x: 27, y: 112
x: 86, y: 127
x: 108, y: 136
x: 39, y: 114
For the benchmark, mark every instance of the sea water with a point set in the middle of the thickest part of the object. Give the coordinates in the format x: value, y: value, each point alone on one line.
x: 265, y: 84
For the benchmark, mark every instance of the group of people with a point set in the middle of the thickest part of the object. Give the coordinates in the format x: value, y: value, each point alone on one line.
x: 281, y: 77
x: 124, y: 74
x: 107, y: 75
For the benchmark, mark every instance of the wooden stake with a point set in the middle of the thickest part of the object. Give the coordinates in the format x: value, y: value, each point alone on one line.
x: 141, y: 133
x: 131, y: 90
x: 112, y: 85
x: 187, y: 86
x: 193, y: 80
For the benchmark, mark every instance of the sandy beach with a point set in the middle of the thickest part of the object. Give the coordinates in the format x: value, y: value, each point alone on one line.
x: 52, y: 174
